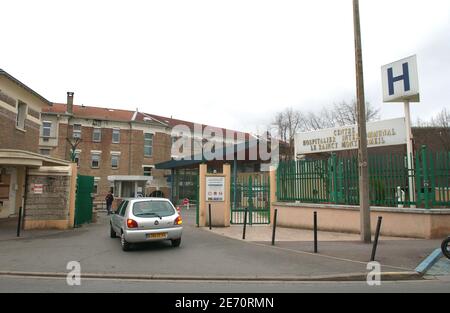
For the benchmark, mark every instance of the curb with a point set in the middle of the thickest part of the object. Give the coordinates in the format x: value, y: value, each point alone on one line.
x: 387, y: 276
x: 428, y: 263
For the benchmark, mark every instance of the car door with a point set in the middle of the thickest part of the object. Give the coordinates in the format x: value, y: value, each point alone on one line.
x: 121, y: 215
x: 116, y: 217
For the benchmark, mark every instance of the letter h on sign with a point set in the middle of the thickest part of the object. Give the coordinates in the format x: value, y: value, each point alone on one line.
x: 405, y: 78
x: 400, y: 74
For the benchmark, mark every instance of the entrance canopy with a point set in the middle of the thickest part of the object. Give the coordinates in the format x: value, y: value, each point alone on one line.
x: 25, y: 158
x: 129, y: 186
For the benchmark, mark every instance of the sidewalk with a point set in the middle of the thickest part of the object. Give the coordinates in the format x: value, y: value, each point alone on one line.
x: 401, y: 253
x: 8, y: 231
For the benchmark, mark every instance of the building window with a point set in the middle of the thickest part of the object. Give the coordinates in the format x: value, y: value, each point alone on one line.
x: 95, y: 160
x: 97, y: 135
x: 77, y: 131
x: 148, y: 145
x: 21, y: 115
x: 147, y: 171
x: 45, y: 151
x: 116, y: 135
x: 46, y: 129
x: 114, y: 161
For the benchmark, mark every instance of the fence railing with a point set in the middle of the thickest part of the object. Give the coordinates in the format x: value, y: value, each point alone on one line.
x: 251, y: 193
x: 336, y: 180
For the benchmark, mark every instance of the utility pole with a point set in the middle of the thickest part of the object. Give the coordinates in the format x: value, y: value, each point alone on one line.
x: 366, y: 234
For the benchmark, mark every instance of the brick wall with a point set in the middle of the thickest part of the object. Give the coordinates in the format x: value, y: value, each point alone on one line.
x: 12, y: 138
x: 131, y: 148
x: 53, y: 203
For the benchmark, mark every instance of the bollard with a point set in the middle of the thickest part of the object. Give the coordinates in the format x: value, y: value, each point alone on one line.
x: 315, y: 232
x: 210, y: 224
x: 377, y: 236
x: 245, y: 224
x: 19, y: 222
x: 274, y: 226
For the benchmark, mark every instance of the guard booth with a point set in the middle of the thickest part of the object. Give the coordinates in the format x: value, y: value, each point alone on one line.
x: 247, y: 186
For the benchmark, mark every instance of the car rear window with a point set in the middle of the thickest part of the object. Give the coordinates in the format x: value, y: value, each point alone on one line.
x: 153, y: 209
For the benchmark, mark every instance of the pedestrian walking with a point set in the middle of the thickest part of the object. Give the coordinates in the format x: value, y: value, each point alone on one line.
x: 109, y: 201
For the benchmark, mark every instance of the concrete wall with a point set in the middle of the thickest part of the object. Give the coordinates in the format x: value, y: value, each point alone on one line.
x: 411, y: 223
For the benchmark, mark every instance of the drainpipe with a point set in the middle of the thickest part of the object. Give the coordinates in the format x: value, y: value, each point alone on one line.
x: 129, y: 148
x: 24, y: 198
x: 69, y: 112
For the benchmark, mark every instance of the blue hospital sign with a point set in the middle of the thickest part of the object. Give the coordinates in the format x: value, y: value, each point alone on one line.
x: 400, y: 81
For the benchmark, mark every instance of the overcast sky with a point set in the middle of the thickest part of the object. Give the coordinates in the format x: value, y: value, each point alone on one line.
x: 230, y: 63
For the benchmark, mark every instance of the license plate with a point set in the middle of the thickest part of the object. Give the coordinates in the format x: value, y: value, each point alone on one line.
x: 157, y: 236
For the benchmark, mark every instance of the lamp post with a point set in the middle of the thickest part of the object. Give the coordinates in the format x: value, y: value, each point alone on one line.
x: 362, y: 132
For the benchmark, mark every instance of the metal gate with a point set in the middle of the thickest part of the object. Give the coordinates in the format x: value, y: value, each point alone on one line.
x: 251, y: 192
x: 84, y: 201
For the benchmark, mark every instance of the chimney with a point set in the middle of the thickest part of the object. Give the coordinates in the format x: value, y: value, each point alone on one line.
x: 70, y: 102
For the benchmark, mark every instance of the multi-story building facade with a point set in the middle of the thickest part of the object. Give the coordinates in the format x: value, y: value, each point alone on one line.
x: 21, y: 166
x: 118, y: 147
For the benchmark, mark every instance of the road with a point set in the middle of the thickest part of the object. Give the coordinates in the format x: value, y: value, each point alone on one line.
x: 202, y: 253
x: 13, y: 284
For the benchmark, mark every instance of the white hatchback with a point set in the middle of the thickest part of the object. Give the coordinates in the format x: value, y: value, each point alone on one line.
x: 146, y: 219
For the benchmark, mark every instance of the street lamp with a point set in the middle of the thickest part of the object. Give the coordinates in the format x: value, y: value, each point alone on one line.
x: 362, y: 132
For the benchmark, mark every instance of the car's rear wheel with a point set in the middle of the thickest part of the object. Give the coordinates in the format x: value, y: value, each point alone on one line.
x: 112, y: 233
x: 446, y: 247
x: 126, y: 246
x: 176, y: 243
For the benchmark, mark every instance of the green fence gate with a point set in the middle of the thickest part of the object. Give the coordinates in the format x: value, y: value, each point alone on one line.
x: 251, y: 193
x: 84, y: 201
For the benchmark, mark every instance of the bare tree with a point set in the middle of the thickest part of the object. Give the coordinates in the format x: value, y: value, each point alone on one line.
x: 442, y: 119
x: 289, y: 122
x: 440, y: 122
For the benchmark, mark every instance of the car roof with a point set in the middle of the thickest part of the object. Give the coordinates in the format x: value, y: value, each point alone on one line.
x: 146, y: 199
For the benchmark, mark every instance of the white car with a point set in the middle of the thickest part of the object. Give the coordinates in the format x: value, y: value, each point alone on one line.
x: 146, y: 219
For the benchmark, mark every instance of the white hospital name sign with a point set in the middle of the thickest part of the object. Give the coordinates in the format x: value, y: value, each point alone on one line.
x: 381, y: 133
x: 400, y: 81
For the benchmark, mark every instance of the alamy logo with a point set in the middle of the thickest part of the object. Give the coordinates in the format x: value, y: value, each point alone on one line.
x: 210, y: 143
x: 74, y: 276
x: 374, y: 276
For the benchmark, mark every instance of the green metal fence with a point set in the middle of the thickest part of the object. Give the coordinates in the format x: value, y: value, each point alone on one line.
x: 336, y: 180
x: 251, y: 193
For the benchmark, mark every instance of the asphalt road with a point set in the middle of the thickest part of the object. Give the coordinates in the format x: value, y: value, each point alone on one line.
x: 11, y: 285
x: 202, y: 254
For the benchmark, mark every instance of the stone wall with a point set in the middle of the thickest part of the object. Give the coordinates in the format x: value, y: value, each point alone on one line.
x: 52, y: 207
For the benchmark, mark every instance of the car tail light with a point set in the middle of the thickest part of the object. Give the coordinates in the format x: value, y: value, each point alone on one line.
x: 178, y: 221
x: 132, y: 224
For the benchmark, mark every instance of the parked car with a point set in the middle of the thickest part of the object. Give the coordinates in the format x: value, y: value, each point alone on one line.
x: 146, y: 219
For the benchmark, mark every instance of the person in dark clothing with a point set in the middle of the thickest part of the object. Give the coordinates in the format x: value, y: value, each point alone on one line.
x: 109, y: 201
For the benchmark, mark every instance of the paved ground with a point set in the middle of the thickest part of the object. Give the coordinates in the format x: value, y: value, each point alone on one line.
x: 202, y: 254
x: 259, y: 233
x: 8, y: 231
x: 442, y: 267
x: 396, y: 252
x: 8, y: 284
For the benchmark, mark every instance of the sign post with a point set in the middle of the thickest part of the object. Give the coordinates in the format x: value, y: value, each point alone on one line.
x: 401, y: 84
